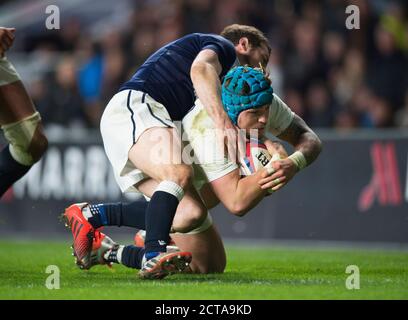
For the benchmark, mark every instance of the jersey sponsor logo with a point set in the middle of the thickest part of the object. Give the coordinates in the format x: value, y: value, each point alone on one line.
x: 263, y: 159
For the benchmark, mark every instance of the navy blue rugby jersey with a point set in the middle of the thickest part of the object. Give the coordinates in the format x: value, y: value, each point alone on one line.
x: 165, y: 75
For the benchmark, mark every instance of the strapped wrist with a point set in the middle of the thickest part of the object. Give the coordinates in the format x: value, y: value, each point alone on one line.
x: 298, y: 159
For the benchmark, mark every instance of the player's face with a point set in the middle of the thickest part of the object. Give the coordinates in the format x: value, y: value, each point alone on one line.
x: 255, y: 55
x: 254, y: 120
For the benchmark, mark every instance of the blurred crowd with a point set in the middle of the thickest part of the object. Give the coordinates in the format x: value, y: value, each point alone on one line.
x: 331, y: 76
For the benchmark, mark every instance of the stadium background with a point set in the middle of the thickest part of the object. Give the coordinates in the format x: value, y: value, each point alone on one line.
x: 349, y: 85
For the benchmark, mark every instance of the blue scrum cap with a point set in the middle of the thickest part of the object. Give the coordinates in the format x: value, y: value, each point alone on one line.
x: 245, y: 88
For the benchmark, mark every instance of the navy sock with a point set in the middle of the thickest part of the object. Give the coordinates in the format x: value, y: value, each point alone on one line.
x: 131, y: 214
x: 119, y: 214
x: 132, y: 256
x: 159, y: 218
x: 10, y: 170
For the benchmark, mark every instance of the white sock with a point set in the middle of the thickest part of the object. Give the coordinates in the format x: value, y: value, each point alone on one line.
x: 87, y: 212
x: 172, y: 188
x: 119, y: 254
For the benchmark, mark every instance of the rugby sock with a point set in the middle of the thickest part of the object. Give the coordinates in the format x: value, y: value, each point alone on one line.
x: 127, y: 214
x: 10, y: 170
x: 117, y: 214
x: 159, y: 217
x: 130, y: 256
x: 96, y: 215
x: 114, y: 255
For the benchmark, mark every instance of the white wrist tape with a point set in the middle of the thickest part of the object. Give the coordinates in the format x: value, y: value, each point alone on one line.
x: 299, y: 159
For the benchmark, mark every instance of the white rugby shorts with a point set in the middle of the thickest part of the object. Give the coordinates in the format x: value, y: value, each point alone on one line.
x: 128, y: 114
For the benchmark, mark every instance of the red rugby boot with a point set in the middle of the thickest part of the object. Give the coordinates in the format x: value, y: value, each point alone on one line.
x: 82, y: 232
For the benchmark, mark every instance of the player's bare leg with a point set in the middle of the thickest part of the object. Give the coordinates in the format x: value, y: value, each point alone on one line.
x: 15, y: 103
x: 157, y: 153
x: 23, y: 130
x: 207, y: 250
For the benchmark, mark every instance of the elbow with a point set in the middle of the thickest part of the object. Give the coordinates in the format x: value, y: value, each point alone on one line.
x: 314, y: 142
x: 238, y: 209
x: 240, y: 214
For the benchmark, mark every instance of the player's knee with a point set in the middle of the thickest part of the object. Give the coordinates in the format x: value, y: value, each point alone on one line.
x: 192, y: 218
x: 27, y: 141
x: 181, y: 174
x: 196, y: 218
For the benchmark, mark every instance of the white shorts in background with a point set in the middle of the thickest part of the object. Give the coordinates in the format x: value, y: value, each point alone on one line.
x: 7, y: 72
x: 128, y: 114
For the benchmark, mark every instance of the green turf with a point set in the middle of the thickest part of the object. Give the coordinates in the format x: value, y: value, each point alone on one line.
x: 252, y: 273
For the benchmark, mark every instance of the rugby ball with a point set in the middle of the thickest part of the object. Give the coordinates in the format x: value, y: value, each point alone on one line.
x: 256, y: 157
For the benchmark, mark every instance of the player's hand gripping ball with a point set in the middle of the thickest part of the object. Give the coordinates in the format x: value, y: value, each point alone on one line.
x: 258, y: 156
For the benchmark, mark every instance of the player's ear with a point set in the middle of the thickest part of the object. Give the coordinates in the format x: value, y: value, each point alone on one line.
x: 243, y: 45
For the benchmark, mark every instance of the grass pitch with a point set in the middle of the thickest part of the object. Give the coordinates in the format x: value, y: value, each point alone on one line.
x: 252, y: 273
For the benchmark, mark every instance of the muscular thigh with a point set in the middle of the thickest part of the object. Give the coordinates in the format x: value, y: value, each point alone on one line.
x: 156, y: 152
x: 15, y: 103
